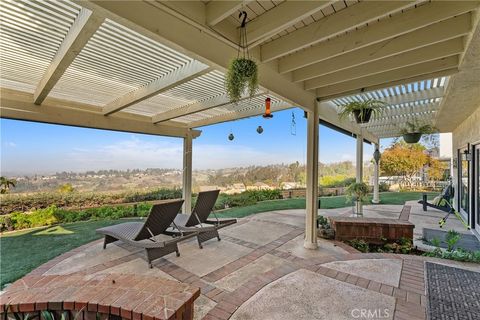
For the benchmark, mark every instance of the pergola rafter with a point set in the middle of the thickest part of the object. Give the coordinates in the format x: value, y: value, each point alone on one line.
x: 181, y: 75
x: 85, y: 25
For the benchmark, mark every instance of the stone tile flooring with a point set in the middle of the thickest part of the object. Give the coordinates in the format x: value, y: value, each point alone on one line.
x: 260, y: 270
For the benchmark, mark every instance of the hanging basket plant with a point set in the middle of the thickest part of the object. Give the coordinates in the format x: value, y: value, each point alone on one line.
x: 241, y: 76
x: 362, y: 111
x: 413, y: 131
x: 242, y: 73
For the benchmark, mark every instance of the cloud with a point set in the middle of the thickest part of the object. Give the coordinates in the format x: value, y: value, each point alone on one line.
x: 347, y: 157
x: 136, y: 153
x: 11, y: 144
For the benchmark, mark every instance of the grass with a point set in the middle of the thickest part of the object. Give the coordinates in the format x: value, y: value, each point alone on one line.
x: 326, y: 203
x: 23, y: 251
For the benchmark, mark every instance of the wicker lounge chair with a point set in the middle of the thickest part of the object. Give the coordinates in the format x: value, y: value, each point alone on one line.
x: 147, y: 235
x: 198, y: 221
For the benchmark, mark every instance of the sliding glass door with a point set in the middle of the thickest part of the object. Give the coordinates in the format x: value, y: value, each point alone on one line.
x: 477, y: 187
x: 463, y: 187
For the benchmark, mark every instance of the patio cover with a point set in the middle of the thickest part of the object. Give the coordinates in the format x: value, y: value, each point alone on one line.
x: 158, y: 67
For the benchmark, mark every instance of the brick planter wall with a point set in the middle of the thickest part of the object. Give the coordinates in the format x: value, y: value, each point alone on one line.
x: 113, y: 296
x: 371, y: 230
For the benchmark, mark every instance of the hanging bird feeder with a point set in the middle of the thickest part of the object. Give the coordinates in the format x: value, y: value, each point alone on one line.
x: 268, y: 113
x: 259, y: 129
x: 231, y: 137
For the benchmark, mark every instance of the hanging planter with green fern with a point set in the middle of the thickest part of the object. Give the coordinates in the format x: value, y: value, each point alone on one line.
x: 413, y: 131
x: 242, y: 73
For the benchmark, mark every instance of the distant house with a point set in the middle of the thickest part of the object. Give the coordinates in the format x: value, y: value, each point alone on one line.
x: 289, y: 185
x: 208, y: 188
x: 259, y: 186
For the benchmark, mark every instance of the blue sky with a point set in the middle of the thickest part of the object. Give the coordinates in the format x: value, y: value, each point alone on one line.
x: 28, y: 148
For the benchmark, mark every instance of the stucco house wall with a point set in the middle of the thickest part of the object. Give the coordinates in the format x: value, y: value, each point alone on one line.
x: 466, y: 134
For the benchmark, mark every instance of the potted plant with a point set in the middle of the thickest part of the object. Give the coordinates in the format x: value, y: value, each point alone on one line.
x: 413, y: 131
x: 362, y: 110
x: 357, y: 192
x: 242, y: 74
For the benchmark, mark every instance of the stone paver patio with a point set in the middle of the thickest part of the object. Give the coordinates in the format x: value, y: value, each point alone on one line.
x: 260, y: 270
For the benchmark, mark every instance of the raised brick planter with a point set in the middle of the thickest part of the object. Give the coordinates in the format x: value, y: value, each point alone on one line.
x: 371, y: 230
x: 106, y: 296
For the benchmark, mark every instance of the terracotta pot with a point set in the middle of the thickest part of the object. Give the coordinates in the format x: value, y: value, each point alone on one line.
x: 413, y: 137
x: 367, y: 113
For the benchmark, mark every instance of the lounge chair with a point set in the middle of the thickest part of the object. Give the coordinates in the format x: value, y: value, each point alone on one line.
x: 146, y: 235
x: 198, y: 221
x: 443, y: 202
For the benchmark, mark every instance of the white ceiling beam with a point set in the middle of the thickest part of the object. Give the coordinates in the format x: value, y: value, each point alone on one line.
x: 385, y: 29
x: 239, y: 114
x: 421, y: 38
x: 386, y: 78
x: 82, y: 29
x: 18, y: 105
x: 280, y: 18
x: 192, y: 40
x: 196, y: 107
x: 330, y: 26
x: 181, y: 75
x: 433, y: 52
x: 217, y: 11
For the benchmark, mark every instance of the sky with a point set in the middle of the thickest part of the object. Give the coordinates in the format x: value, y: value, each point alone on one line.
x: 35, y: 148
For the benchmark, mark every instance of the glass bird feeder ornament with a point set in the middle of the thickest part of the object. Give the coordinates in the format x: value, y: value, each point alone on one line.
x: 376, y: 155
x: 268, y: 112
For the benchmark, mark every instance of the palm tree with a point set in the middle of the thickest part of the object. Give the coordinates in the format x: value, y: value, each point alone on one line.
x: 6, y: 184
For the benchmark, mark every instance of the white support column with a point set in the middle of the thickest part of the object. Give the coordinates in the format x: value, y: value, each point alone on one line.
x: 376, y: 173
x: 359, y: 163
x: 359, y: 169
x: 187, y: 174
x: 312, y: 181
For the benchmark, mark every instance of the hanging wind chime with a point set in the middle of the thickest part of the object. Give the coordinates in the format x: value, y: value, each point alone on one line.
x: 293, y: 126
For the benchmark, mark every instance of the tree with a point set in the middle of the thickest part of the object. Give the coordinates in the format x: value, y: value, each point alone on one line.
x: 66, y: 188
x: 436, y: 169
x: 6, y: 184
x: 404, y: 160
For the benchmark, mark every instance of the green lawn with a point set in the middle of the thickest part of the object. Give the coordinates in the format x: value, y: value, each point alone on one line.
x: 326, y: 203
x: 23, y: 251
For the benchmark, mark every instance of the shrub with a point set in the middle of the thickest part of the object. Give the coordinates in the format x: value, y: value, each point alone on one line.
x: 383, y: 187
x: 53, y: 214
x: 22, y: 202
x: 451, y: 239
x: 37, y: 218
x: 458, y: 255
x: 360, y: 245
x: 336, y: 181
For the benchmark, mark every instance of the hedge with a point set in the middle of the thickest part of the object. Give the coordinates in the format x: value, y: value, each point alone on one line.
x: 54, y: 215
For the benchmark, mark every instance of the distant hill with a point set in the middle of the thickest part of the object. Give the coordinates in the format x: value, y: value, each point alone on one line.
x: 121, y: 180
